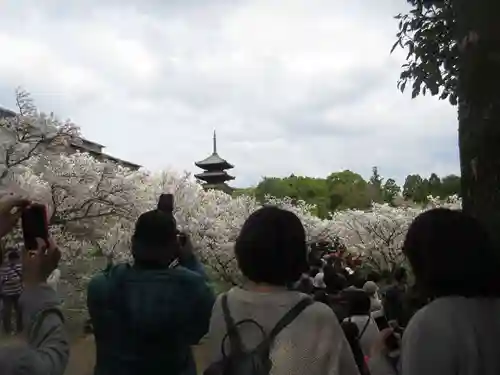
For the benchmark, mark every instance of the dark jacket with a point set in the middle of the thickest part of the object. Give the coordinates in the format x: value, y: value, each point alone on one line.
x: 145, y: 320
x: 393, y: 301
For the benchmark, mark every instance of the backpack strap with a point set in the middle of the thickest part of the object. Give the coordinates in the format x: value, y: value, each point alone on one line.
x: 235, y: 341
x: 364, y: 328
x: 289, y: 317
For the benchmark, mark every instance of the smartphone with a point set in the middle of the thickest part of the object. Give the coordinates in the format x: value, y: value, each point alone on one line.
x: 382, y: 322
x: 34, y: 223
x: 182, y: 239
x: 166, y: 203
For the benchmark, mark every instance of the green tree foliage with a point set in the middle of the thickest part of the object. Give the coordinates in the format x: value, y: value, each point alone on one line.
x: 375, y: 186
x: 347, y: 189
x: 390, y: 191
x: 427, y: 34
x: 418, y: 189
x: 453, y: 48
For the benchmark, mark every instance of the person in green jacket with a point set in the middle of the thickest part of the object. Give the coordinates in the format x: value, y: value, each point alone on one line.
x: 146, y: 316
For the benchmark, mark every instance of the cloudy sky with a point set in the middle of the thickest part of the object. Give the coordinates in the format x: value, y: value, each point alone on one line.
x: 291, y: 86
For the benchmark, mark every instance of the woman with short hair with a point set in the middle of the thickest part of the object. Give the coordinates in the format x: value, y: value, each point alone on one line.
x: 456, y: 266
x: 271, y: 253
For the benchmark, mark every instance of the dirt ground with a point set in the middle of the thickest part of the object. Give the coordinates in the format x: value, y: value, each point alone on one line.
x: 82, y: 358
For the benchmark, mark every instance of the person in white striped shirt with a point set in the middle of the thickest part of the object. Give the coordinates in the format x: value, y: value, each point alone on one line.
x: 11, y: 289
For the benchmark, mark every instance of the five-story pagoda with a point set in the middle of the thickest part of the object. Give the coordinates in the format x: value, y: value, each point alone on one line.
x: 214, y: 175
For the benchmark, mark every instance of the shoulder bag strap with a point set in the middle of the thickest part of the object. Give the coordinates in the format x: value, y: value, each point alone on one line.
x: 288, y: 318
x: 364, y: 328
x: 235, y: 341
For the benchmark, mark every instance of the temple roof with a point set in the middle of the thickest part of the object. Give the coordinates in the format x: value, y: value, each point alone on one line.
x: 214, y: 160
x: 222, y: 175
x: 4, y: 113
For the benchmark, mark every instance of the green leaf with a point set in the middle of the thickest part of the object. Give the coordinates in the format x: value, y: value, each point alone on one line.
x: 394, y: 46
x: 415, y: 92
x: 453, y: 99
x: 402, y: 86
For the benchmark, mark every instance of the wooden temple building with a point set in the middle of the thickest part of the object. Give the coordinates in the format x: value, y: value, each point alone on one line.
x: 214, y: 175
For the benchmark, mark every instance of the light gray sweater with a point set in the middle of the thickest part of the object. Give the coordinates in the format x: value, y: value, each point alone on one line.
x: 450, y: 336
x: 47, y: 351
x: 313, y: 343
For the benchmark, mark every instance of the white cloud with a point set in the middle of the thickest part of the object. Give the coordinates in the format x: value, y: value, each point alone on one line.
x: 292, y: 86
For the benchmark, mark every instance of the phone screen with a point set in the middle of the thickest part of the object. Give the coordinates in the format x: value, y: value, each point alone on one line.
x: 166, y: 203
x: 34, y: 224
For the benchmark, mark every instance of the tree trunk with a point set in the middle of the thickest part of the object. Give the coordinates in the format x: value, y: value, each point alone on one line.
x: 479, y: 109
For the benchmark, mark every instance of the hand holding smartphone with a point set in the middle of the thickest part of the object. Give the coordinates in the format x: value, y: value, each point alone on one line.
x: 34, y: 223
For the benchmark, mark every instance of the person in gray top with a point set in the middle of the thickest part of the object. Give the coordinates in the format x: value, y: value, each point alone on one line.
x: 455, y: 265
x: 47, y: 349
x: 271, y: 252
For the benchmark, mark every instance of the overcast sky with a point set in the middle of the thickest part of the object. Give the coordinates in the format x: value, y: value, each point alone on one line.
x: 291, y: 86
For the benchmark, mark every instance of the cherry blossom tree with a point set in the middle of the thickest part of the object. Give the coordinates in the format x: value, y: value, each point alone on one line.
x: 29, y: 133
x: 93, y: 206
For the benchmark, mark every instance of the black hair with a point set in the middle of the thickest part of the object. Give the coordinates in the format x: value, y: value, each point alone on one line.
x: 13, y: 256
x: 400, y: 275
x: 358, y: 301
x: 334, y: 282
x: 374, y: 276
x: 321, y: 296
x: 356, y: 280
x: 271, y: 247
x: 450, y: 254
x: 147, y: 256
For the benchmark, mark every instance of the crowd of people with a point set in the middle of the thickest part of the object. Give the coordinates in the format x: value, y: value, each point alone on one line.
x: 299, y: 311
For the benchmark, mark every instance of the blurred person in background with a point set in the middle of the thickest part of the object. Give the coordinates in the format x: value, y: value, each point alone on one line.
x: 12, y: 286
x: 376, y: 308
x: 359, y: 314
x: 395, y: 295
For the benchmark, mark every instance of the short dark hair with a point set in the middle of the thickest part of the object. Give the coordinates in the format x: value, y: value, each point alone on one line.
x: 374, y: 276
x: 358, y: 301
x: 271, y: 247
x: 451, y: 253
x: 334, y: 282
x: 400, y: 275
x: 155, y: 239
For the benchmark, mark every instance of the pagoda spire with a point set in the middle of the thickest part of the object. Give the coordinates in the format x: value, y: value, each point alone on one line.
x: 215, y: 143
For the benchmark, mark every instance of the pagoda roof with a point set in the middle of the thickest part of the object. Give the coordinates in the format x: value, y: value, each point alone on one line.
x: 212, y: 174
x: 214, y: 160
